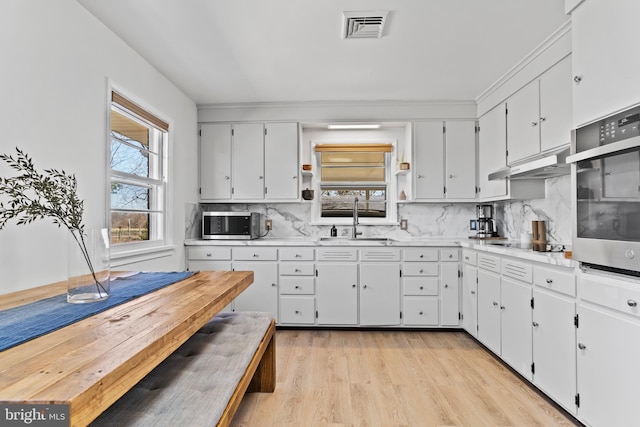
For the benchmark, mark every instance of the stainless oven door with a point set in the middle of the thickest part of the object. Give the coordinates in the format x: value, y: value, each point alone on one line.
x: 606, y: 205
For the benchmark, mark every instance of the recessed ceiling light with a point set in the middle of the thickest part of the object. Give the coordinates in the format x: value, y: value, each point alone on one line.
x: 355, y: 126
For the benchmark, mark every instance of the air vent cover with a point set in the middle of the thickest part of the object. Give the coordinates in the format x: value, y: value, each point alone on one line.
x: 364, y: 25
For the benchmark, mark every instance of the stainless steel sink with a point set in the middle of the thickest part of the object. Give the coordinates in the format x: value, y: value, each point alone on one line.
x: 357, y: 239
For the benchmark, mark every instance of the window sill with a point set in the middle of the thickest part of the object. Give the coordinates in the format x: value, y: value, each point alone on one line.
x: 124, y: 257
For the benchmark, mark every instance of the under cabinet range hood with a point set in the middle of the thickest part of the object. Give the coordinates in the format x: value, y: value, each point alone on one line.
x: 546, y: 165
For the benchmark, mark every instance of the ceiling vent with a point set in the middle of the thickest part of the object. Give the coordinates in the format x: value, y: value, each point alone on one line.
x: 364, y: 25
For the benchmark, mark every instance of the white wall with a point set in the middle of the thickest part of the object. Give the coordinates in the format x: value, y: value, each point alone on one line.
x: 57, y: 61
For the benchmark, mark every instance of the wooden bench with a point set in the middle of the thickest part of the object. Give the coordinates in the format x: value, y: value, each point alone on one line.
x: 203, y: 381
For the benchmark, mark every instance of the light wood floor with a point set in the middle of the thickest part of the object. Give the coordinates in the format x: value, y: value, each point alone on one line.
x: 392, y: 378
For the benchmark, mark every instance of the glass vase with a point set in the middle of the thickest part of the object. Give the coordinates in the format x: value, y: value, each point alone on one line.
x: 88, y: 266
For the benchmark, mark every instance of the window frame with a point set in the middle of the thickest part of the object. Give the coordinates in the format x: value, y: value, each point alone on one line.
x: 123, y: 253
x: 391, y: 217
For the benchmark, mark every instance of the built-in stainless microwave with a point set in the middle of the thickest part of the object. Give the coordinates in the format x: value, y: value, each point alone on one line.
x: 605, y: 180
x: 230, y: 225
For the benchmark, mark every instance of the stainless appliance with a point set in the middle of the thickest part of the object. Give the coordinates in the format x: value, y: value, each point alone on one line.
x: 230, y: 225
x: 605, y: 180
x: 484, y: 225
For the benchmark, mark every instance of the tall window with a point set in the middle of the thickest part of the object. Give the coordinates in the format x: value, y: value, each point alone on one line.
x: 350, y: 171
x: 138, y: 185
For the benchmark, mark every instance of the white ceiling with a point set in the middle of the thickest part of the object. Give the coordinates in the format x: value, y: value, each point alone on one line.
x: 239, y: 51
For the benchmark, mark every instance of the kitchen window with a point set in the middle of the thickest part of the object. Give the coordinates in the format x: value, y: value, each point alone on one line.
x: 348, y: 171
x: 137, y: 142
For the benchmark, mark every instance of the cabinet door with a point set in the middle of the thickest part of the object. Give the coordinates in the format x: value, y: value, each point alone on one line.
x: 215, y: 161
x: 489, y: 310
x: 449, y: 294
x: 555, y: 106
x: 337, y: 294
x: 380, y: 294
x: 428, y: 161
x: 515, y: 308
x: 523, y: 127
x: 248, y: 161
x: 281, y: 161
x: 262, y: 294
x: 492, y: 148
x: 460, y: 174
x: 554, y: 344
x: 608, y: 369
x: 609, y: 73
x: 470, y: 300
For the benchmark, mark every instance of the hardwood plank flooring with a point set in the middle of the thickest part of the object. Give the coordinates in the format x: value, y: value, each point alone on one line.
x: 393, y: 378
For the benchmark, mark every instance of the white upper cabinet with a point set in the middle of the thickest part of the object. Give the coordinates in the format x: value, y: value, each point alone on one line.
x: 215, y: 161
x: 444, y: 157
x: 605, y: 67
x: 460, y: 163
x: 492, y: 148
x: 248, y: 161
x: 281, y: 161
x: 429, y: 160
x: 555, y: 106
x: 539, y: 114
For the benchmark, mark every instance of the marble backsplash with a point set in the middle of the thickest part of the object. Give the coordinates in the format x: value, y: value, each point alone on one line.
x: 428, y: 220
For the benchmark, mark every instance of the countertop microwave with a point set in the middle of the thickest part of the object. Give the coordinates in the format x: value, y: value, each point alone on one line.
x: 230, y: 225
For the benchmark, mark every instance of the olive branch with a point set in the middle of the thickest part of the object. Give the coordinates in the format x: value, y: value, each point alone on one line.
x: 52, y: 194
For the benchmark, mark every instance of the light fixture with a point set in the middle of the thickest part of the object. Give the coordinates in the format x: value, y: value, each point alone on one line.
x: 354, y: 126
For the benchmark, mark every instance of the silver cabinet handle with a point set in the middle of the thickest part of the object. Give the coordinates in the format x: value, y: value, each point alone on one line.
x: 446, y: 285
x: 549, y: 281
x: 495, y: 304
x: 421, y: 271
x: 421, y: 255
x: 632, y: 303
x: 502, y: 307
x: 297, y: 286
x: 256, y: 255
x: 420, y: 176
x: 208, y: 254
x: 473, y: 292
x: 451, y: 176
x: 534, y: 123
x: 364, y: 286
x: 421, y: 287
x: 535, y: 324
x: 298, y: 256
x: 450, y: 255
x: 274, y: 285
x: 542, y: 119
x: 353, y: 286
x: 297, y: 270
x: 226, y: 177
x: 261, y: 177
x: 420, y: 313
x: 581, y: 346
x: 577, y: 79
x: 297, y: 312
x: 295, y: 177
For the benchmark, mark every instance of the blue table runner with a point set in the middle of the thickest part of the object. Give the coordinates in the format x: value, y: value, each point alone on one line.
x: 29, y: 321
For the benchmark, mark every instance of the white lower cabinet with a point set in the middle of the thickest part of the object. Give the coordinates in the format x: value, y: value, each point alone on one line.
x: 449, y: 294
x: 297, y: 302
x: 337, y: 293
x: 469, y: 293
x: 554, y: 334
x: 262, y: 294
x: 608, y: 351
x: 515, y: 321
x: 489, y: 301
x: 379, y: 294
x: 421, y: 286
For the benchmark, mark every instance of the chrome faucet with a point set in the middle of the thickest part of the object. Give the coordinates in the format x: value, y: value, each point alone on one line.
x: 355, y: 233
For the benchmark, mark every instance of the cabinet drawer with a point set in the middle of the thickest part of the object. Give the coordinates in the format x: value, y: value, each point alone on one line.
x: 420, y: 286
x: 380, y: 254
x: 295, y: 269
x: 337, y: 254
x: 616, y: 294
x: 469, y: 257
x: 210, y: 253
x: 297, y: 310
x: 297, y: 254
x: 420, y: 254
x: 297, y: 285
x: 450, y: 255
x: 488, y: 262
x: 255, y: 254
x: 420, y: 311
x: 420, y: 269
x: 517, y: 270
x: 557, y: 280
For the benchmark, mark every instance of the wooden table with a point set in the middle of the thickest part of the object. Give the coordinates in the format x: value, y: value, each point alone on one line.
x: 93, y: 362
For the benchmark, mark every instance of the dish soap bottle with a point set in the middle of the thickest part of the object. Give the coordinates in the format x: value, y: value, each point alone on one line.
x: 334, y: 231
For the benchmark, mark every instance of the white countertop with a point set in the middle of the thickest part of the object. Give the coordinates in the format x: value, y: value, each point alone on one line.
x: 553, y: 258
